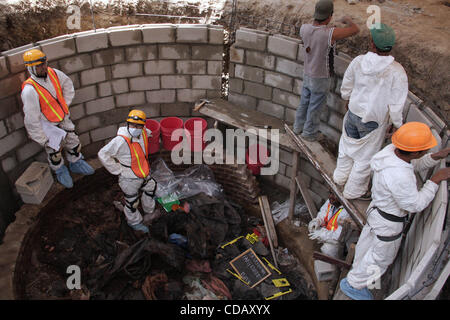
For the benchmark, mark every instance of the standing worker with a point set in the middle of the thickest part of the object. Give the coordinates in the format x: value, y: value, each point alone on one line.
x: 127, y: 156
x: 46, y: 96
x: 319, y: 43
x: 394, y: 195
x: 377, y: 87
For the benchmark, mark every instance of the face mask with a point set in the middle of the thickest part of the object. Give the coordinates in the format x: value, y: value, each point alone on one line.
x: 135, y: 132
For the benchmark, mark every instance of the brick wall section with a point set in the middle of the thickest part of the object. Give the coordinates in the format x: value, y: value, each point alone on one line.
x: 162, y: 69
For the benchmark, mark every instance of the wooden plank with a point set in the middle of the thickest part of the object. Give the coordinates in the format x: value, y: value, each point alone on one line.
x: 338, y: 294
x: 323, y: 162
x: 306, y: 196
x: 269, y: 221
x: 262, y: 206
x: 338, y: 262
x: 293, y: 187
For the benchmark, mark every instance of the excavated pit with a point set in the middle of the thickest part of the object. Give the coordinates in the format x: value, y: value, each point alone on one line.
x: 82, y: 227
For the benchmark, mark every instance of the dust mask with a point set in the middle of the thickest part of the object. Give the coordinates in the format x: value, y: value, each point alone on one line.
x: 135, y: 132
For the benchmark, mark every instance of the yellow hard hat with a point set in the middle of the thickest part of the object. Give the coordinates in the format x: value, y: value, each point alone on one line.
x: 414, y: 136
x: 137, y: 116
x: 34, y: 57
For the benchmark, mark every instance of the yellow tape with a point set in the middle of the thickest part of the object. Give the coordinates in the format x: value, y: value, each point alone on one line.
x: 231, y: 242
x: 252, y: 238
x: 272, y: 266
x: 282, y: 282
x: 237, y: 276
x: 278, y: 294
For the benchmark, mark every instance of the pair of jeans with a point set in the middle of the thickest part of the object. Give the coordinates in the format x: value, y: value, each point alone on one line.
x: 357, y: 129
x: 313, y: 98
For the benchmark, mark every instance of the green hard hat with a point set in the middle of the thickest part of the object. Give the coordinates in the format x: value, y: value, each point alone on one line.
x: 383, y: 36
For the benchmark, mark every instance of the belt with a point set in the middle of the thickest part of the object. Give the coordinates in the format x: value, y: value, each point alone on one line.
x: 390, y: 238
x: 390, y: 217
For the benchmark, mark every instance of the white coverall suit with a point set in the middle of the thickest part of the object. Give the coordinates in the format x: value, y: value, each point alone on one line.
x: 394, y: 191
x: 116, y: 158
x: 377, y: 87
x: 35, y: 121
x: 328, y: 237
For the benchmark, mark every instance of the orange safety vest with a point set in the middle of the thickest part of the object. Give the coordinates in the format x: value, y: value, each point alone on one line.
x: 53, y: 109
x: 139, y: 162
x: 332, y: 223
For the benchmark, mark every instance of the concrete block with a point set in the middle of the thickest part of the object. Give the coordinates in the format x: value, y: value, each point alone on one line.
x: 216, y: 35
x: 249, y: 73
x: 108, y: 57
x: 76, y: 63
x: 242, y: 100
x: 104, y: 89
x: 130, y: 99
x: 340, y: 65
x: 336, y: 121
x: 257, y: 90
x: 301, y: 53
x: 158, y: 34
x: 14, y: 122
x: 85, y: 94
x: 330, y: 132
x: 324, y: 114
x: 100, y: 105
x: 28, y: 150
x: 176, y: 109
x: 159, y: 67
x: 191, y: 67
x: 207, y: 52
x: 324, y: 271
x: 12, y: 141
x: 190, y: 95
x: 11, y: 85
x: 3, y: 130
x: 338, y: 86
x: 260, y: 59
x: 9, y: 163
x: 75, y: 80
x: 161, y: 96
x: 336, y: 103
x: 251, y: 40
x: 270, y: 108
x: 85, y: 139
x: 175, y: 82
x: 104, y: 133
x: 127, y: 70
x: 92, y: 42
x: 93, y: 76
x: 282, y: 46
x: 3, y: 67
x: 192, y: 33
x: 152, y: 110
x: 144, y: 83
x: 14, y: 57
x: 119, y: 86
x: 286, y: 98
x: 206, y: 82
x: 308, y: 169
x: 278, y: 80
x: 140, y: 53
x: 289, y: 67
x: 236, y: 85
x: 88, y: 123
x: 59, y: 49
x: 215, y: 67
x: 282, y: 181
x: 174, y: 51
x: 125, y: 37
x: 213, y: 94
x: 77, y: 112
x: 289, y: 115
x: 319, y: 188
x: 237, y: 55
x: 298, y: 86
x: 9, y: 106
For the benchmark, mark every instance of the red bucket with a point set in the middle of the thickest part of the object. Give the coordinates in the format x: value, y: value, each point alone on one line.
x: 153, y: 141
x: 256, y: 157
x: 195, y: 129
x: 169, y: 125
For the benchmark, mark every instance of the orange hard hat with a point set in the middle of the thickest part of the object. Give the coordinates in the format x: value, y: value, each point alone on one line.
x: 414, y: 136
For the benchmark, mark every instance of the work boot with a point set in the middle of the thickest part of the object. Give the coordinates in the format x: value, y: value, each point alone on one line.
x: 63, y: 177
x: 355, y: 294
x: 366, y: 197
x: 309, y: 138
x: 297, y: 130
x: 81, y: 167
x: 140, y: 227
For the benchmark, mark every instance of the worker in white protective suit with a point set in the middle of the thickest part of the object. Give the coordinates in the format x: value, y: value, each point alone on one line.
x: 46, y: 96
x: 394, y: 195
x: 127, y: 156
x: 376, y: 87
x: 326, y: 227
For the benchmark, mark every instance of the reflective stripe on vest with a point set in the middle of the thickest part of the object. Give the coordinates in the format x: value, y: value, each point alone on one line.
x: 332, y: 223
x: 53, y: 109
x: 139, y: 162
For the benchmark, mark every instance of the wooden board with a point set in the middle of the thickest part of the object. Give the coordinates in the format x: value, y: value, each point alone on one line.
x: 268, y: 220
x: 251, y: 269
x: 307, y: 197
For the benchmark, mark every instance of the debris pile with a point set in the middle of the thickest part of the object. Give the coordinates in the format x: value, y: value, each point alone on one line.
x: 187, y: 255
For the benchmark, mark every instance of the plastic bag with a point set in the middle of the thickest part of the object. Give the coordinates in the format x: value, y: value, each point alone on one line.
x: 281, y: 211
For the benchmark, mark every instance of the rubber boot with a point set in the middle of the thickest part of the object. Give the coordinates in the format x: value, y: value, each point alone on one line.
x: 355, y: 294
x: 63, y: 177
x: 81, y: 167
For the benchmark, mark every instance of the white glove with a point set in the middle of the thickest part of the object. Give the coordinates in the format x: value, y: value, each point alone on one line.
x: 314, y: 225
x: 318, y: 234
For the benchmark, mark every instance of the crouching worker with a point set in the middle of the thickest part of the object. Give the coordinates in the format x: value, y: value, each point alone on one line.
x: 127, y: 156
x: 394, y: 195
x: 326, y: 226
x: 46, y: 96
